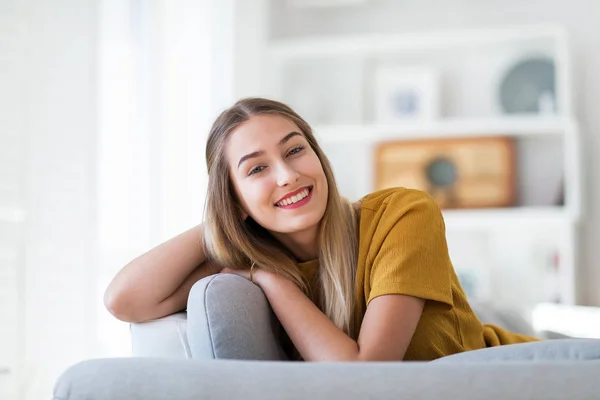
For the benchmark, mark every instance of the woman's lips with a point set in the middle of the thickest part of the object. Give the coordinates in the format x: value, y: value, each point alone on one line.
x: 295, y: 192
x: 298, y: 203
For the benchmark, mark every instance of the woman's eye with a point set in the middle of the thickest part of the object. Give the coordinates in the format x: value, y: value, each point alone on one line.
x: 256, y: 170
x: 295, y: 150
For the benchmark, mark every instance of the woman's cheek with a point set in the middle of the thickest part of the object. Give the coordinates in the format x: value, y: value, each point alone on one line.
x: 262, y: 192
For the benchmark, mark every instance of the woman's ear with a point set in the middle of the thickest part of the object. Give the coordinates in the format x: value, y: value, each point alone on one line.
x: 242, y: 212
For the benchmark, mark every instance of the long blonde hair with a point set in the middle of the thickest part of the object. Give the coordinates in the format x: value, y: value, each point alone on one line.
x: 236, y: 243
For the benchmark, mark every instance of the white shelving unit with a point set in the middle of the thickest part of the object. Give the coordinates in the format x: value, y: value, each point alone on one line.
x: 549, y: 217
x: 565, y: 130
x: 450, y: 127
x: 495, y: 48
x: 373, y: 44
x: 335, y: 72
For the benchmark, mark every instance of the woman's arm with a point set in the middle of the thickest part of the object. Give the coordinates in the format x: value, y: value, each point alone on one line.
x: 386, y: 331
x: 158, y: 282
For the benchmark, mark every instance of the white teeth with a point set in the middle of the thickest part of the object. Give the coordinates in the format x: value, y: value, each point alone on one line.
x: 294, y: 199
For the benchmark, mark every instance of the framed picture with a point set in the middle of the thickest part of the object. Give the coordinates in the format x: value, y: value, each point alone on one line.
x: 457, y: 173
x: 403, y: 94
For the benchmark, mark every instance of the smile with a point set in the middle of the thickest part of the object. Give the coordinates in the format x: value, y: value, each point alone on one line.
x: 296, y: 200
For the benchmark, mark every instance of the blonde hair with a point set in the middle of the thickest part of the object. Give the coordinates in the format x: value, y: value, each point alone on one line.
x: 236, y: 243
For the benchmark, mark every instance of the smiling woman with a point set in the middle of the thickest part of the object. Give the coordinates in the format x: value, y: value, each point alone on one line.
x: 371, y: 280
x: 263, y: 155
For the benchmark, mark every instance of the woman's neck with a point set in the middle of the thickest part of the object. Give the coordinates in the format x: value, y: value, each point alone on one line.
x: 303, y: 245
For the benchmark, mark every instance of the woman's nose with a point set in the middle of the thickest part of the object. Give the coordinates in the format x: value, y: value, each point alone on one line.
x: 286, y: 175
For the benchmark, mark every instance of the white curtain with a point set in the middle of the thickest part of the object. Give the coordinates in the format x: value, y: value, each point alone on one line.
x: 164, y: 76
x: 106, y: 105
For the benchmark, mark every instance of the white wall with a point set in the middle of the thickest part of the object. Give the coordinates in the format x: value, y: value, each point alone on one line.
x: 12, y: 170
x: 579, y: 16
x: 59, y: 126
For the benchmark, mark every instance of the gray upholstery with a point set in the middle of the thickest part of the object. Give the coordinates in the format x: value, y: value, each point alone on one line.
x: 548, y: 350
x: 230, y: 318
x: 153, y: 379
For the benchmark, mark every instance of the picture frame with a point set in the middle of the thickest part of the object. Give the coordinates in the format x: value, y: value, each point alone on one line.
x: 406, y: 94
x: 476, y: 172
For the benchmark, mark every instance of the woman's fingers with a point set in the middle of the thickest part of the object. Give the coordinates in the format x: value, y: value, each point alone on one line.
x: 241, y: 272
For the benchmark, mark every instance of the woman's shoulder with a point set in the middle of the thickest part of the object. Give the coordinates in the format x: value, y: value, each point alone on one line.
x: 397, y: 198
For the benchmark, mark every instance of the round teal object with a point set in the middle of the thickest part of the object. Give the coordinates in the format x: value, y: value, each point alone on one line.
x: 527, y: 85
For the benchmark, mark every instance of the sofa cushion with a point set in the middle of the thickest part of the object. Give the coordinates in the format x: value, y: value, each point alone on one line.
x: 153, y: 379
x: 505, y: 318
x: 548, y: 350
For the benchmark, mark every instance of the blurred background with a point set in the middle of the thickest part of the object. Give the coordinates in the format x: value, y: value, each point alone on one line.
x: 105, y: 106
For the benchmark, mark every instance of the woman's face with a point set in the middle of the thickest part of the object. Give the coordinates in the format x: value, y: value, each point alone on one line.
x: 277, y: 176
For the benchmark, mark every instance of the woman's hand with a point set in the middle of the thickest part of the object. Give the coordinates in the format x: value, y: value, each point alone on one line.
x: 241, y: 272
x: 258, y: 275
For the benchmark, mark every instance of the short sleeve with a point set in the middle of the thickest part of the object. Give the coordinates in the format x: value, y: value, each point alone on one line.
x: 410, y: 256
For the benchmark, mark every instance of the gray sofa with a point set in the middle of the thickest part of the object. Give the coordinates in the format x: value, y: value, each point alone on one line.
x: 167, y: 337
x: 162, y: 368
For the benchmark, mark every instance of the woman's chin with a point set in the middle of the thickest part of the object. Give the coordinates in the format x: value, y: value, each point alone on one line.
x: 303, y: 224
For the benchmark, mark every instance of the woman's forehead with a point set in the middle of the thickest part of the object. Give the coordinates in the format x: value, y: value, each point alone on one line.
x: 264, y: 126
x: 259, y: 133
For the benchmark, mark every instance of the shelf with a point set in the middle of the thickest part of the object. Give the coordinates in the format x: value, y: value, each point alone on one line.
x: 513, y: 217
x: 382, y: 44
x: 510, y: 126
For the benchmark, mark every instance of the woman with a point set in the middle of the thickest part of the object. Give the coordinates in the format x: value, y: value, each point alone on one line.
x: 348, y: 282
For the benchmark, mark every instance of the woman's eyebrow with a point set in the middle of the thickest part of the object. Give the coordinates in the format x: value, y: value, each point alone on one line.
x: 288, y: 137
x: 250, y: 155
x: 260, y: 152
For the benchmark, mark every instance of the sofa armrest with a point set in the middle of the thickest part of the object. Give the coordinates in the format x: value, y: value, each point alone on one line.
x: 563, y: 320
x: 162, y: 337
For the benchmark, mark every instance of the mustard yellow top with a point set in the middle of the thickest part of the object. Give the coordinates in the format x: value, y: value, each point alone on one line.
x: 403, y: 250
